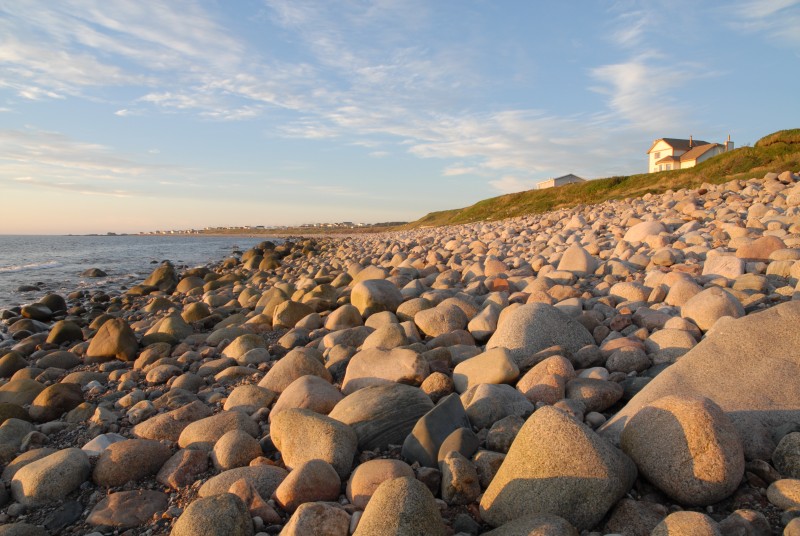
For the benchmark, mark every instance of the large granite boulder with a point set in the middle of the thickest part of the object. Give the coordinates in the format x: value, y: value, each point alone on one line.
x: 531, y: 328
x: 750, y: 367
x: 559, y: 466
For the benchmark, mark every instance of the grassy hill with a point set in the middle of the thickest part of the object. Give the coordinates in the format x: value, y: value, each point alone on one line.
x: 776, y: 152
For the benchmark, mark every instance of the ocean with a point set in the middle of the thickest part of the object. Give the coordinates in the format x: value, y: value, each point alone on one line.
x: 55, y: 263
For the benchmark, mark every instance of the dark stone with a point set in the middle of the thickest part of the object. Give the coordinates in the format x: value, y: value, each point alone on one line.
x: 423, y: 443
x: 66, y: 514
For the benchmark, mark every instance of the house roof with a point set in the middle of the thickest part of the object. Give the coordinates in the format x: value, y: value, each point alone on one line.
x: 697, y: 151
x: 669, y: 159
x: 570, y: 176
x: 677, y: 144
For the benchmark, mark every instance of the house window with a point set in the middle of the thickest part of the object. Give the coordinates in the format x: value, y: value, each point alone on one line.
x: 657, y: 155
x: 669, y: 166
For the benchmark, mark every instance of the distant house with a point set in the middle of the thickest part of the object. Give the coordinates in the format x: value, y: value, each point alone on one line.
x: 672, y: 153
x: 560, y: 181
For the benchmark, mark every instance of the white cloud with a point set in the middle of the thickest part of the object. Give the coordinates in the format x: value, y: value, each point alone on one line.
x: 777, y: 20
x: 509, y: 184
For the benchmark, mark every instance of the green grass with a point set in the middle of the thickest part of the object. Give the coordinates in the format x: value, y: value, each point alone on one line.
x: 776, y: 152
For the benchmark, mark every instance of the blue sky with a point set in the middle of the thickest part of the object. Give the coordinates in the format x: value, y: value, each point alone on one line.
x: 131, y: 116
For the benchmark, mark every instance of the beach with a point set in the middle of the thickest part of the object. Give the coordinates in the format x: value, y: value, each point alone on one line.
x: 628, y: 367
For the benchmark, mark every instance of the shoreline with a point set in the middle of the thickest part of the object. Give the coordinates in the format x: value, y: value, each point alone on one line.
x: 514, y: 341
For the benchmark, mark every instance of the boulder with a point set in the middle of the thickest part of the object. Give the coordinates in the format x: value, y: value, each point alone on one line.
x: 432, y: 429
x: 705, y: 308
x: 297, y: 363
x: 204, y: 433
x: 375, y: 295
x: 376, y: 367
x: 55, y: 400
x: 642, y: 230
x: 559, y: 466
x: 116, y: 339
x: 687, y: 523
x: 401, y: 506
x: 308, y: 392
x: 171, y: 424
x: 50, y: 479
x: 163, y: 278
x: 129, y: 461
x: 535, y: 525
x: 220, y: 515
x: 128, y: 509
x: 749, y: 367
x: 264, y: 478
x: 311, y: 481
x: 249, y: 398
x: 487, y: 403
x: 687, y: 447
x: 382, y: 415
x: 530, y: 328
x: 492, y: 366
x: 302, y: 435
x: 64, y: 331
x: 236, y: 448
x: 578, y: 261
x: 369, y: 475
x: 547, y: 381
x: 319, y: 519
x: 440, y: 320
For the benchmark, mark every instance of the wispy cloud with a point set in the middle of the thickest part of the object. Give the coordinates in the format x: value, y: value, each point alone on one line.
x: 777, y: 20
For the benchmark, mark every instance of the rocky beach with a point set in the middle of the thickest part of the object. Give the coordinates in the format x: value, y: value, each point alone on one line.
x: 627, y: 368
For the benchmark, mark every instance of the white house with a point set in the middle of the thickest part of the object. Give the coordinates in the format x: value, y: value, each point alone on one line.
x: 560, y: 181
x: 671, y: 153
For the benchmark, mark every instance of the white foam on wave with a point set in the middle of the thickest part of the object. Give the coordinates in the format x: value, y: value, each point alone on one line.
x: 29, y: 267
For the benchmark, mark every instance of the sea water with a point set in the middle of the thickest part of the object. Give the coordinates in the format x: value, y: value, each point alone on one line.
x: 55, y: 263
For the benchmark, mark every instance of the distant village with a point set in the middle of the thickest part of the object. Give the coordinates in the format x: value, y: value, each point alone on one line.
x: 344, y: 225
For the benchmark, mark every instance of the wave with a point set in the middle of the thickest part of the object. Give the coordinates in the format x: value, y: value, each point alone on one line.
x: 29, y: 267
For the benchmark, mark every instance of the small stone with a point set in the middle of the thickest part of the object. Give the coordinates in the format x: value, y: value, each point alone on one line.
x: 460, y: 483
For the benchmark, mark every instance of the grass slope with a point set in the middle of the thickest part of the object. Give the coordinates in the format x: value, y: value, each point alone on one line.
x: 776, y: 152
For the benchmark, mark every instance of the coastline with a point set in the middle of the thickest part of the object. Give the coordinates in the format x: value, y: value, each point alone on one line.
x: 518, y: 340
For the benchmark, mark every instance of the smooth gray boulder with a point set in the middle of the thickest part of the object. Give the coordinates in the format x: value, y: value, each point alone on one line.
x: 423, y: 443
x: 749, y: 366
x: 382, y: 415
x: 531, y: 328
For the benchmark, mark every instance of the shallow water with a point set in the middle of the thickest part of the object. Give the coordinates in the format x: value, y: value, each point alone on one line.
x: 58, y: 261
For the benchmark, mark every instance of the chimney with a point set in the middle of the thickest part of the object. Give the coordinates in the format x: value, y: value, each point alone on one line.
x: 690, y: 141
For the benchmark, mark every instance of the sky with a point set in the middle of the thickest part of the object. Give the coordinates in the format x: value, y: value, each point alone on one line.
x: 123, y: 116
